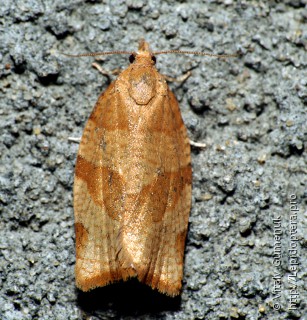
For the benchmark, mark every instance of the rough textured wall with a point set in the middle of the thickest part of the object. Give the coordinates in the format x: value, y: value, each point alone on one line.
x: 250, y: 111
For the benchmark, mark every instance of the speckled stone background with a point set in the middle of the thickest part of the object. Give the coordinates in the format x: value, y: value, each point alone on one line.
x: 250, y: 111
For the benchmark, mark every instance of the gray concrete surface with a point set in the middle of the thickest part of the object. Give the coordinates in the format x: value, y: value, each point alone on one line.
x: 250, y: 111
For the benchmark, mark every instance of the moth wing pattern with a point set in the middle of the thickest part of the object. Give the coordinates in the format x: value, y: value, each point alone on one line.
x: 132, y: 191
x: 96, y: 231
x: 174, y: 189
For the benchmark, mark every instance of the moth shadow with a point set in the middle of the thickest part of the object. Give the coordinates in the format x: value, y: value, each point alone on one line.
x: 129, y: 298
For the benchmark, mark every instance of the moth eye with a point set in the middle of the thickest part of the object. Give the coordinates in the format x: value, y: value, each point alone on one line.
x: 153, y: 58
x: 132, y: 58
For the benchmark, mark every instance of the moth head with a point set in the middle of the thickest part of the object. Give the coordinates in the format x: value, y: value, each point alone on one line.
x: 134, y: 55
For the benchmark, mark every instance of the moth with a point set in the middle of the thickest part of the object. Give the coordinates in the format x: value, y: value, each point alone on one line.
x: 132, y: 189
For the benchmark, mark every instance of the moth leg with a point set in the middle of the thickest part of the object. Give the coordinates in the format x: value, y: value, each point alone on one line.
x: 74, y: 139
x: 179, y: 79
x: 197, y: 144
x: 106, y: 73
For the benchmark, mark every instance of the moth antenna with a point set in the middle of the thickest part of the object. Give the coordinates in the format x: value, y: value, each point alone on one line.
x: 94, y: 54
x: 197, y: 53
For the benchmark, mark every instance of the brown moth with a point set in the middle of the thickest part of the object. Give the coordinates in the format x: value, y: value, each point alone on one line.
x: 132, y: 190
